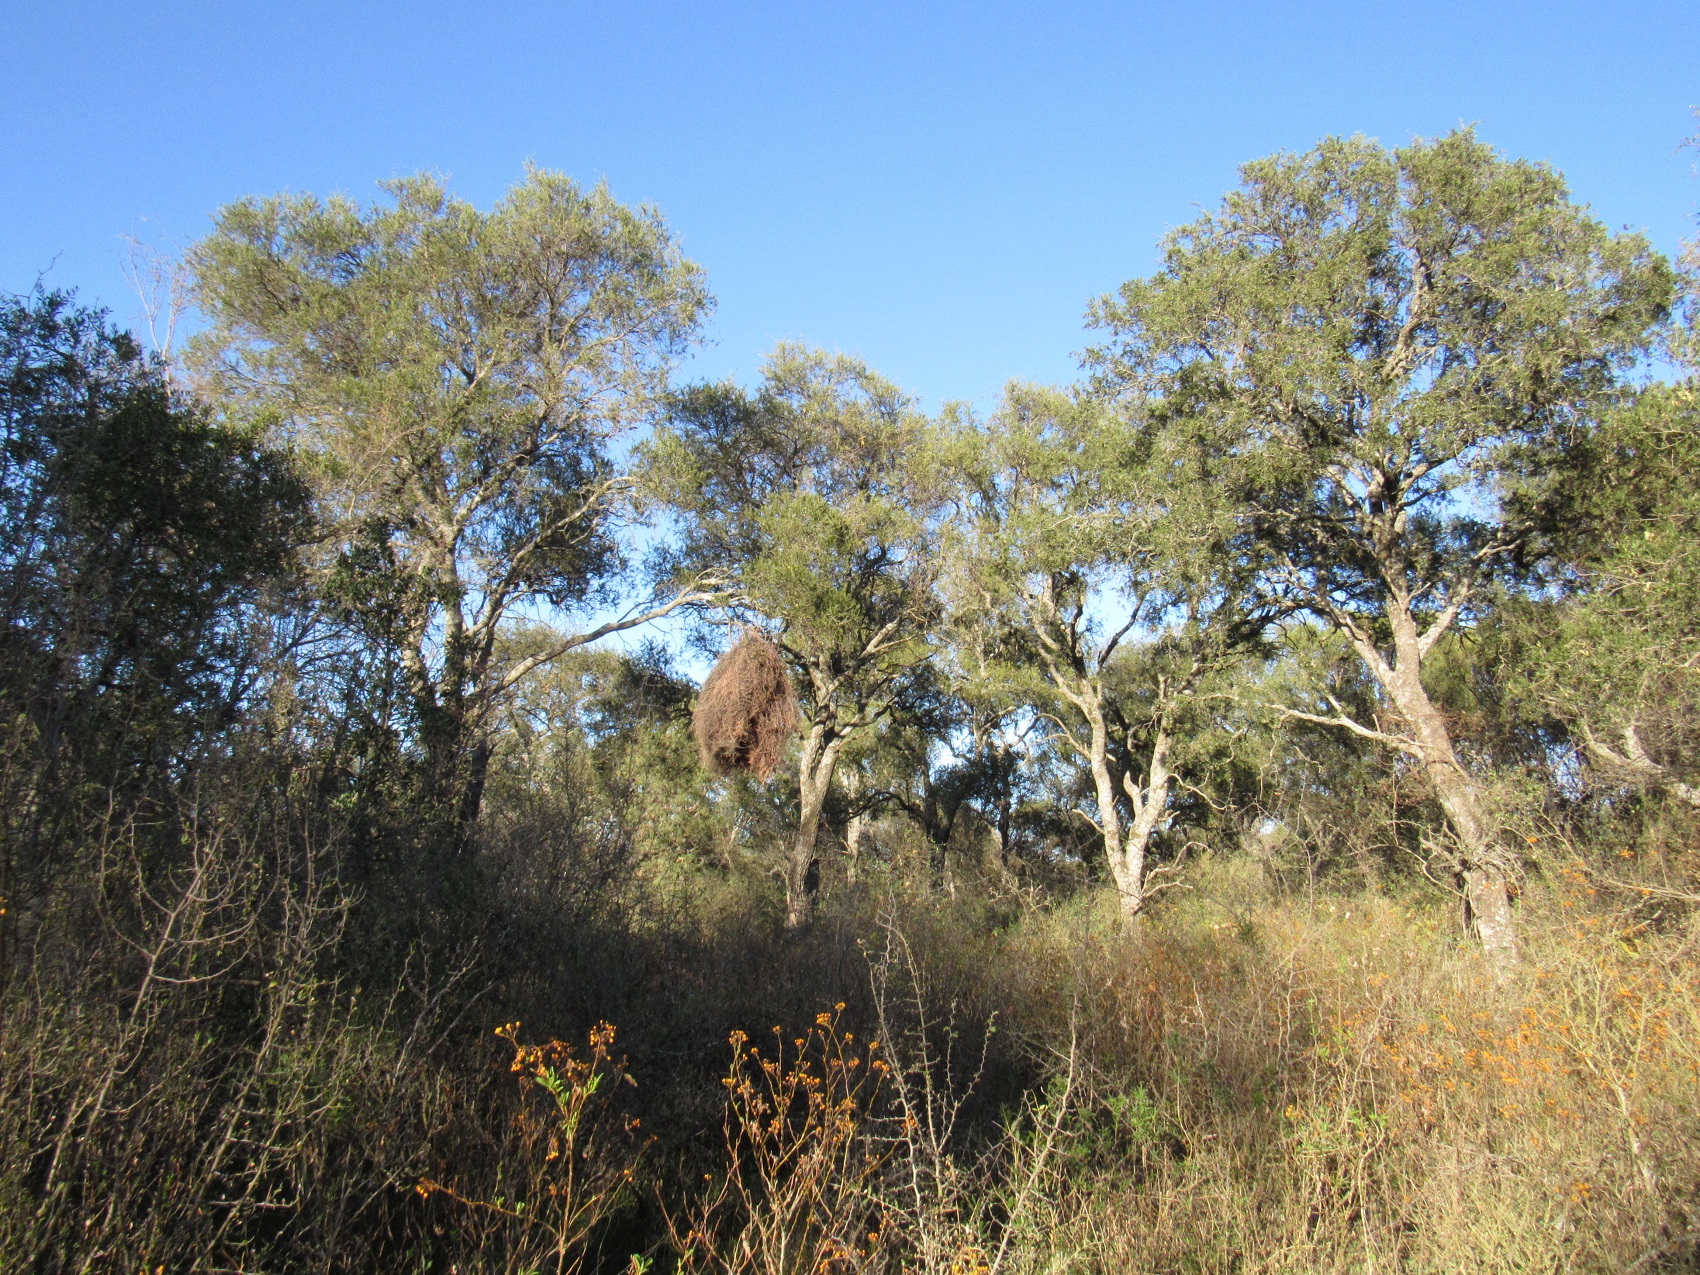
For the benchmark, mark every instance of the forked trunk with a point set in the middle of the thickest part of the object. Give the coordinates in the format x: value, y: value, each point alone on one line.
x: 1109, y: 817
x: 1125, y: 848
x: 1150, y: 800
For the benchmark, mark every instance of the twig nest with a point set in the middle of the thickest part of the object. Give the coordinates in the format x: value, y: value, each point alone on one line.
x: 747, y: 709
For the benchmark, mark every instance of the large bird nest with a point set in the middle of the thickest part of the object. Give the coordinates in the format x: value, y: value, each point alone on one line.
x: 747, y: 709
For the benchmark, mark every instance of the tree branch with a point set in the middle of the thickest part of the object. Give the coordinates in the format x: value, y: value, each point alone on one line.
x: 1636, y: 765
x: 1340, y: 720
x: 702, y: 593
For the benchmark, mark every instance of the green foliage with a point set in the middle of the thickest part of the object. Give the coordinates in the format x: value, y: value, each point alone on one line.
x: 453, y: 380
x: 598, y: 752
x: 137, y: 531
x: 1614, y: 656
x: 1364, y: 540
x: 806, y: 500
x: 1385, y: 356
x: 806, y: 494
x: 1381, y: 347
x: 142, y: 549
x: 1109, y: 594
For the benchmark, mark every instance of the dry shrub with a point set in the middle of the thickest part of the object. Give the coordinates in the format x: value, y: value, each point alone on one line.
x: 1274, y: 1088
x: 747, y: 709
x: 800, y: 1187
x: 570, y: 1160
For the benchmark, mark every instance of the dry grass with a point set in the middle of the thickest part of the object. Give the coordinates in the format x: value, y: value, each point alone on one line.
x: 1243, y: 1083
x: 1347, y: 1089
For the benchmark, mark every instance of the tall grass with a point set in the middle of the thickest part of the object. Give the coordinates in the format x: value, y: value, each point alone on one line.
x: 1245, y: 1080
x: 1241, y: 1082
x: 1278, y: 1086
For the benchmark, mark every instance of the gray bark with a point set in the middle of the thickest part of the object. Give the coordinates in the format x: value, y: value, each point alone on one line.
x: 1635, y: 765
x: 1150, y: 799
x: 1487, y: 887
x: 819, y: 758
x: 1109, y: 817
x: 854, y: 828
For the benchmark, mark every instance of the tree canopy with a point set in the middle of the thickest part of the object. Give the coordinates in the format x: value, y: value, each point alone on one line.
x: 452, y: 380
x: 1386, y: 353
x: 808, y: 497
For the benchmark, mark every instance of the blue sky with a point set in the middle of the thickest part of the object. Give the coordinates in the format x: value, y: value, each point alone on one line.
x: 937, y: 187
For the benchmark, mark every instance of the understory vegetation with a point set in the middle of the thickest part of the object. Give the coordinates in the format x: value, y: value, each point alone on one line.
x: 1238, y: 813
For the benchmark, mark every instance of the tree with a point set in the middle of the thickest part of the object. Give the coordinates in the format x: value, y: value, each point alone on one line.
x: 1381, y: 349
x: 1617, y: 656
x: 1085, y: 541
x: 139, y: 541
x: 807, y: 498
x: 133, y: 525
x: 453, y: 379
x: 928, y: 762
x: 137, y: 532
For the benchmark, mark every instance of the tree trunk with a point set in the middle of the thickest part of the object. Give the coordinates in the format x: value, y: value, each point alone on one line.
x: 1486, y: 884
x: 814, y: 781
x: 1150, y: 800
x: 1005, y: 827
x: 854, y: 827
x: 1109, y: 818
x: 456, y: 769
x: 471, y: 796
x: 451, y: 728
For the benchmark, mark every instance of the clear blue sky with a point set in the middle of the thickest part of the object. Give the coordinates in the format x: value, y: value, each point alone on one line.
x: 938, y: 187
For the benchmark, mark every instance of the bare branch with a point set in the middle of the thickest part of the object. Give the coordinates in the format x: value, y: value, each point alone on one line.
x: 532, y: 662
x: 1635, y: 764
x: 1442, y: 623
x: 161, y: 283
x: 1340, y: 720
